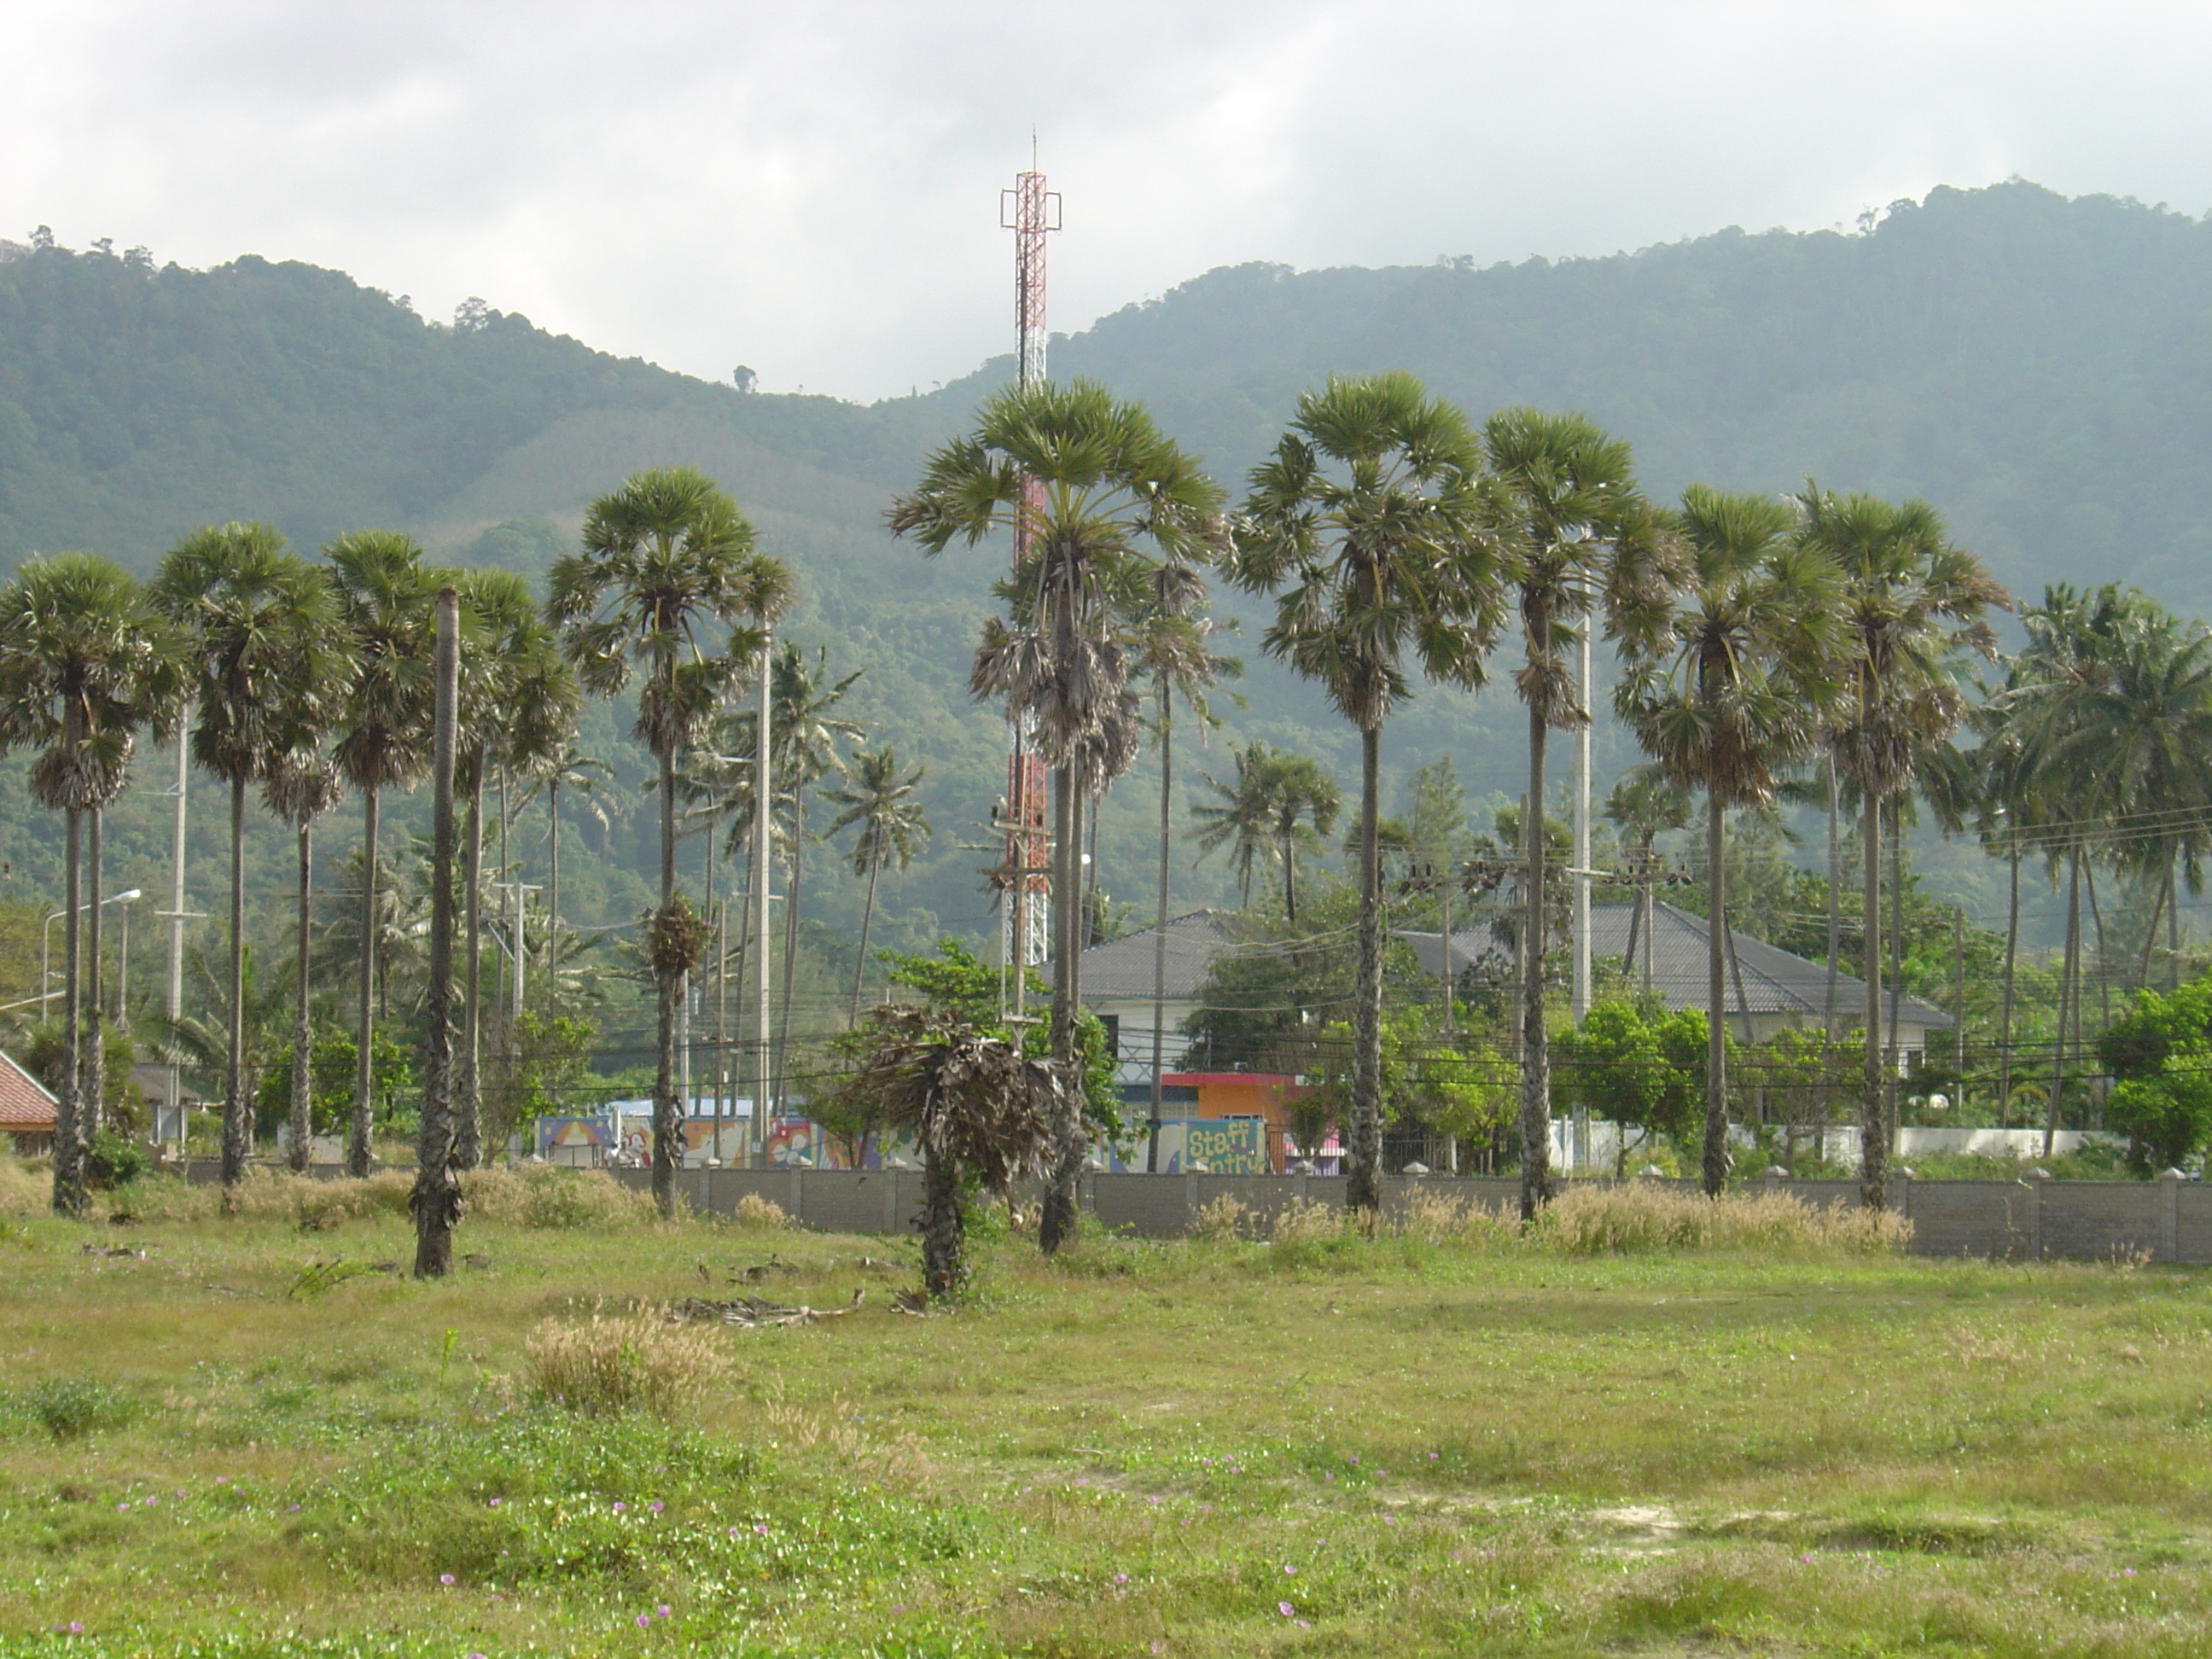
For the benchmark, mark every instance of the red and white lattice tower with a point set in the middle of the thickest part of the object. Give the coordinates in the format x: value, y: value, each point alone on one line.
x: 1031, y: 211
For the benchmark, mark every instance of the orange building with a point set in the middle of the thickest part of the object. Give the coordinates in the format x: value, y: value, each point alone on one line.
x: 1217, y: 1095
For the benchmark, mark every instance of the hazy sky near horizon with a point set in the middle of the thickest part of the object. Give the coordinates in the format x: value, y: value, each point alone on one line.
x: 812, y: 189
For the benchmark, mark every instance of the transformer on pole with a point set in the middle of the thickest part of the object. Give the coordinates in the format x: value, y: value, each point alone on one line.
x: 1031, y: 212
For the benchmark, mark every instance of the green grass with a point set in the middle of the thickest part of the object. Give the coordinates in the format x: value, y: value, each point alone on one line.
x: 1140, y: 1448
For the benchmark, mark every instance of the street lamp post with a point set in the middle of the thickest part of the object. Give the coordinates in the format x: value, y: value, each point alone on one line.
x: 46, y: 944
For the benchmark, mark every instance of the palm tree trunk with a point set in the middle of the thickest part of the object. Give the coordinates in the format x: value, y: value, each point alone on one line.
x: 2070, y: 989
x: 1874, y: 1141
x: 92, y: 1093
x: 552, y: 874
x: 1715, y: 1165
x: 667, y: 1123
x: 1088, y: 935
x: 1160, y: 927
x: 1890, y: 1046
x: 868, y: 921
x: 1056, y: 1221
x: 2004, y: 1017
x: 68, y: 1150
x: 941, y: 1266
x: 468, y: 1067
x: 303, y: 1083
x: 2104, y: 975
x: 1290, y: 880
x: 2159, y: 896
x: 436, y: 1199
x: 237, y: 1114
x: 364, y: 1076
x: 1535, y: 1051
x: 790, y: 942
x: 1835, y: 896
x: 2172, y: 929
x: 1364, y: 1191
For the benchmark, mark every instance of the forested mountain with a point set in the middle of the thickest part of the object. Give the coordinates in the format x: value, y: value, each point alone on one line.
x: 2039, y: 367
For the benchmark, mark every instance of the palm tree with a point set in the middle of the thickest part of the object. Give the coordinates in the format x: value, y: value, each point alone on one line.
x: 585, y: 777
x: 385, y: 598
x: 1085, y: 481
x: 879, y: 797
x: 1911, y: 602
x: 85, y: 663
x: 436, y: 1198
x: 1735, y: 700
x: 1644, y: 804
x: 301, y: 786
x: 978, y: 1108
x: 668, y: 577
x: 269, y: 668
x: 1581, y: 541
x: 519, y: 702
x: 1244, y: 821
x: 1302, y: 802
x: 1371, y: 524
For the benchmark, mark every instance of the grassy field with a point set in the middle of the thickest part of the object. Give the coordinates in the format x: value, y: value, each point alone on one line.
x: 1320, y: 1445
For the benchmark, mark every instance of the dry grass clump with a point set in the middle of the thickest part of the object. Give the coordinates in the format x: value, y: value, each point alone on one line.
x: 1435, y: 1216
x: 1308, y: 1220
x: 540, y: 1196
x: 1222, y: 1220
x: 760, y: 1213
x: 631, y: 1362
x: 839, y: 1429
x: 1589, y: 1220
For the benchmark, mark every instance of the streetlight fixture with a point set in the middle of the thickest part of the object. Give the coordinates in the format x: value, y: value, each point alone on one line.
x: 46, y: 938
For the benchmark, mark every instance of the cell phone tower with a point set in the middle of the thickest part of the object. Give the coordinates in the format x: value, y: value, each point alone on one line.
x: 1031, y: 212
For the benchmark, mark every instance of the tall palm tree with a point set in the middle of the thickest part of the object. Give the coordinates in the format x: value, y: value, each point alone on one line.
x: 386, y: 597
x: 1091, y: 483
x: 669, y: 578
x: 1582, y: 542
x: 519, y: 703
x: 85, y: 664
x: 1371, y: 524
x: 436, y: 1198
x: 585, y: 778
x: 268, y: 668
x: 878, y: 796
x: 1735, y: 700
x: 299, y: 787
x: 1911, y: 602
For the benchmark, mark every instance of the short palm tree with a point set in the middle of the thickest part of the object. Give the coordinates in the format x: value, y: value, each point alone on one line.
x: 1582, y: 545
x: 1911, y: 602
x: 1371, y: 524
x: 385, y: 596
x: 269, y: 668
x: 1100, y: 497
x: 1244, y: 820
x: 669, y: 578
x: 978, y: 1108
x: 1302, y: 804
x: 1734, y: 701
x: 584, y: 778
x: 86, y: 663
x: 878, y: 796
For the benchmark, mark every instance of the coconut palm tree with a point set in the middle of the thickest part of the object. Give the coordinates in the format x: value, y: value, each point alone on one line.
x: 386, y: 597
x: 1734, y: 701
x: 585, y: 779
x: 669, y: 579
x: 1099, y: 497
x: 1244, y: 821
x: 519, y: 701
x: 1302, y: 802
x: 1372, y: 524
x: 299, y: 787
x: 270, y: 667
x: 878, y: 796
x: 1582, y: 543
x: 1911, y: 603
x: 86, y: 663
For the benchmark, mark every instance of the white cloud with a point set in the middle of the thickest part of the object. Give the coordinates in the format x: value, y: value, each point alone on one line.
x: 811, y: 190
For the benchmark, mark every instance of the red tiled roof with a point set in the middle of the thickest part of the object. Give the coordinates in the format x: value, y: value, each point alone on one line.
x: 24, y: 1102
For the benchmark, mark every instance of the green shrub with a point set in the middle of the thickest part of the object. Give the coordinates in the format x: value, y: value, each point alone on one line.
x: 72, y: 1406
x: 111, y: 1161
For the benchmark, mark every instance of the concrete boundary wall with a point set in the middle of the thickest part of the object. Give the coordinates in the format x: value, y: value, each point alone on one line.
x: 2163, y: 1220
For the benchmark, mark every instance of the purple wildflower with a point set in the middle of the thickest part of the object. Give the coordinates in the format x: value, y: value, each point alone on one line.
x: 620, y: 1506
x: 656, y: 1506
x: 661, y: 1612
x: 644, y: 1619
x: 445, y: 1579
x: 1121, y: 1577
x: 1286, y: 1609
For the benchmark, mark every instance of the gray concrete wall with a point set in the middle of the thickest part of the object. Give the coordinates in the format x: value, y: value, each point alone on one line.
x: 2027, y: 1220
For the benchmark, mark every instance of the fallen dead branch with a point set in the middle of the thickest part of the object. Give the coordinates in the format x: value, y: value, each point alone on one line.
x: 753, y: 1312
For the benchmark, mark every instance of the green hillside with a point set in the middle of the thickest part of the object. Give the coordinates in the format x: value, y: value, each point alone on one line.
x: 2040, y: 367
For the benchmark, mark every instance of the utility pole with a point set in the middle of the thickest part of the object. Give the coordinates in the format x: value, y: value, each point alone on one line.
x: 764, y: 802
x: 176, y: 916
x: 1579, y: 1154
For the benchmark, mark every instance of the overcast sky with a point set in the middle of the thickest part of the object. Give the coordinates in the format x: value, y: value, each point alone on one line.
x: 811, y: 189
